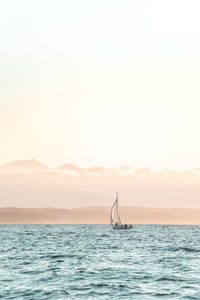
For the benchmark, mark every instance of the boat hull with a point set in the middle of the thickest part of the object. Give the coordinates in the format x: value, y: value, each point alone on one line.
x: 122, y: 227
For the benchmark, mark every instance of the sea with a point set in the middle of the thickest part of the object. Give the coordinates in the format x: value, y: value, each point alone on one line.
x: 97, y: 262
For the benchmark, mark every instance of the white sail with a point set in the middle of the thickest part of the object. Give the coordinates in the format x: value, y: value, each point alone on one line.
x: 114, y: 215
x: 115, y: 221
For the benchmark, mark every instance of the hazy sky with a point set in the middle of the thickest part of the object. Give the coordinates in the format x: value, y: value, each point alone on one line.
x: 100, y: 82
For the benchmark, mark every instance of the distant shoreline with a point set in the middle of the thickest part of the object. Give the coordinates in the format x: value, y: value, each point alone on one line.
x: 99, y: 215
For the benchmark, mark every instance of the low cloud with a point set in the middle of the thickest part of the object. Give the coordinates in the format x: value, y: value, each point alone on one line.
x: 44, y: 187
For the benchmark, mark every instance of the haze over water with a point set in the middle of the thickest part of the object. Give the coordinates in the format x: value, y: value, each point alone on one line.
x: 96, y: 262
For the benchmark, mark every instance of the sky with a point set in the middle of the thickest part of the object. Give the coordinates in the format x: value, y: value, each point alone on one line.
x: 100, y: 82
x: 66, y: 190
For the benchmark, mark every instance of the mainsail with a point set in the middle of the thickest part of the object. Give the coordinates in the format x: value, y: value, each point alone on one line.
x: 114, y: 216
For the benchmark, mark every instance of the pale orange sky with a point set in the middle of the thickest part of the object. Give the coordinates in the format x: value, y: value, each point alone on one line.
x: 64, y: 189
x: 100, y: 83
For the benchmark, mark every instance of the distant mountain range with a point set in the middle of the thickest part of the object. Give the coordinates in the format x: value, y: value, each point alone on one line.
x: 98, y: 215
x: 23, y: 165
x: 33, y: 165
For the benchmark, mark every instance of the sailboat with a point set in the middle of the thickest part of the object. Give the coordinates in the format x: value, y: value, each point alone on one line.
x: 115, y: 220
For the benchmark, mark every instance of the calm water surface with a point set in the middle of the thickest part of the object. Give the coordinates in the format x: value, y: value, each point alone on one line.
x: 96, y: 262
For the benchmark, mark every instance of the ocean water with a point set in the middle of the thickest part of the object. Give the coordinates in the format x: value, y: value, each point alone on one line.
x: 96, y: 262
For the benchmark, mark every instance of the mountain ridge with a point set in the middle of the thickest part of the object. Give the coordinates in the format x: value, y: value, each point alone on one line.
x: 23, y: 165
x: 99, y: 215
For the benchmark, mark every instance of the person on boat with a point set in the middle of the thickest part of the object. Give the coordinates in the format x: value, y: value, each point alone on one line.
x: 116, y: 224
x: 125, y: 225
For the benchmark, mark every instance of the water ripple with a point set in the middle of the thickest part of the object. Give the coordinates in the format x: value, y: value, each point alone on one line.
x: 95, y: 262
